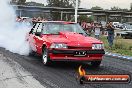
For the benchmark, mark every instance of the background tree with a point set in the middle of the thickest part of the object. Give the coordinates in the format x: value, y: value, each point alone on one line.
x: 125, y: 9
x: 85, y: 18
x: 116, y: 8
x: 34, y: 4
x: 90, y: 19
x: 19, y: 2
x: 63, y: 4
x: 131, y: 7
x: 13, y: 1
x: 96, y: 8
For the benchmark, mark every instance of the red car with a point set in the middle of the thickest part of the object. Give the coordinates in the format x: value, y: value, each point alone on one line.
x: 64, y: 41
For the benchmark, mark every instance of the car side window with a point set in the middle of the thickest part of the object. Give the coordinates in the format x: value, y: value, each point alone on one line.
x: 32, y: 29
x: 39, y: 28
x: 36, y: 27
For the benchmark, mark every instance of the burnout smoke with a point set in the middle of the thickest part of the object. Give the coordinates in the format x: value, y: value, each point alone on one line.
x: 12, y: 34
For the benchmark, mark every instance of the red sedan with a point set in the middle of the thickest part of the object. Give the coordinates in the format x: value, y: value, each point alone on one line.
x: 64, y: 41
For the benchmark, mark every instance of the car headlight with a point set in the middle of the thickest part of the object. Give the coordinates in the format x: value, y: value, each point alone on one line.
x: 58, y: 45
x: 97, y: 46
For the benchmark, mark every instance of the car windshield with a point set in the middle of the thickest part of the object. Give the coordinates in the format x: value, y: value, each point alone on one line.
x: 55, y: 28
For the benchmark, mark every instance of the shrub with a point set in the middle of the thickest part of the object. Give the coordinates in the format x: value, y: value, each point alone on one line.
x: 130, y: 48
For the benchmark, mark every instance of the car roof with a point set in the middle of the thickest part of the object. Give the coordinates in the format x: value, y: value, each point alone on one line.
x: 64, y: 22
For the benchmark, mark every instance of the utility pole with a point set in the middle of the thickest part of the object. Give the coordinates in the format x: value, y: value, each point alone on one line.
x: 131, y: 6
x: 76, y: 11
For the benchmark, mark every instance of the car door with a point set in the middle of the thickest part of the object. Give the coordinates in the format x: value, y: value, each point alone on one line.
x: 38, y: 39
x: 32, y: 37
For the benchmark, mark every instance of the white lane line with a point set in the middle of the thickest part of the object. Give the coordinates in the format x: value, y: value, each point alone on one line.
x: 118, y: 55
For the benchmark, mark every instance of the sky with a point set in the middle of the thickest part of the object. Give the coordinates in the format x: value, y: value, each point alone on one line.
x: 106, y: 4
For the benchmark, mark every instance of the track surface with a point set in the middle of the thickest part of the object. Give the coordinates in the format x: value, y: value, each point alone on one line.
x: 62, y: 75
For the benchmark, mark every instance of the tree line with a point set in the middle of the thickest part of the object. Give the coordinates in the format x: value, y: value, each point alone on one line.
x: 66, y: 4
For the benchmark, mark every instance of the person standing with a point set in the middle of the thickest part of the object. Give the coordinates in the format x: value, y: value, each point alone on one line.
x: 92, y: 28
x: 18, y: 19
x: 34, y: 20
x: 84, y: 25
x: 110, y: 29
x: 97, y: 29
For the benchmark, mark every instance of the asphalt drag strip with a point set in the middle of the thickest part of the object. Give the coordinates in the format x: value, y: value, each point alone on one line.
x: 12, y: 75
x: 60, y: 74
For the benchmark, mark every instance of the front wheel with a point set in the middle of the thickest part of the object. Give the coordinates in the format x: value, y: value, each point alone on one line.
x: 95, y: 63
x: 45, y: 57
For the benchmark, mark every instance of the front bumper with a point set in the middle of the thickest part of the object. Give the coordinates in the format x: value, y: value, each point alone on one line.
x: 69, y: 55
x: 55, y: 51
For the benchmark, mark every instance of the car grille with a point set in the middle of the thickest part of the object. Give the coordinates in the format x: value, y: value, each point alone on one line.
x: 78, y: 47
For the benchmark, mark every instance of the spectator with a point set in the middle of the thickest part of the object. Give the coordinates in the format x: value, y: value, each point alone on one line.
x: 79, y: 22
x: 102, y: 29
x: 92, y: 28
x: 18, y: 19
x: 84, y: 26
x: 110, y: 29
x: 97, y: 29
x: 44, y: 19
x: 39, y: 19
x: 34, y: 20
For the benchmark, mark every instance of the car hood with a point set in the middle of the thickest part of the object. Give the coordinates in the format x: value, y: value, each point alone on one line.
x: 72, y: 39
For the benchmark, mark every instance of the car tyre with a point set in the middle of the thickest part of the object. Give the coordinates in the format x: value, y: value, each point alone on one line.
x: 95, y: 63
x: 45, y: 57
x: 32, y: 53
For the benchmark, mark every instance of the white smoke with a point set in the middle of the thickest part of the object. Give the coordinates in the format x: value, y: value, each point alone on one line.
x: 12, y: 34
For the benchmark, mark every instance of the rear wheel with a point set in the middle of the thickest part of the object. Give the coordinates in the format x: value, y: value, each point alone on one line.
x: 45, y: 57
x: 95, y: 63
x: 32, y: 53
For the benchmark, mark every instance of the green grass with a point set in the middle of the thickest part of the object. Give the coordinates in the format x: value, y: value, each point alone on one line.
x: 122, y: 46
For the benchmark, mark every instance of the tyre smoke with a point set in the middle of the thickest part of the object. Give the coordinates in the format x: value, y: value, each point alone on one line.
x: 12, y: 34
